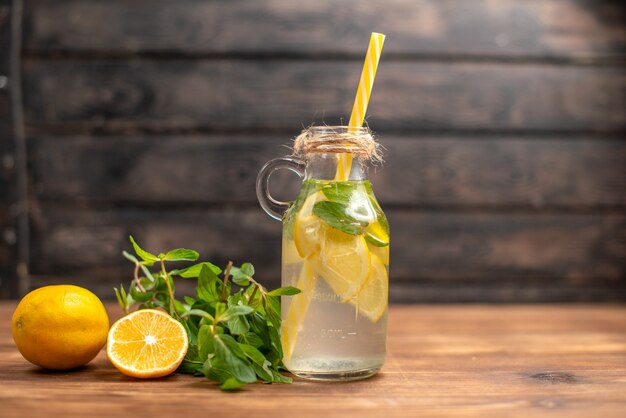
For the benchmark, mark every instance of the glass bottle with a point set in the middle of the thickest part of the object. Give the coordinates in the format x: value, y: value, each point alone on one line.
x: 335, y: 249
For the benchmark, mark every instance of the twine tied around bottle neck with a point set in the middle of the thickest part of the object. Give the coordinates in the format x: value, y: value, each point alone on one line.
x: 336, y: 140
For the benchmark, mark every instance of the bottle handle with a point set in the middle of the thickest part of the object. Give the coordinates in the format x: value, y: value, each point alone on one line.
x: 275, y: 208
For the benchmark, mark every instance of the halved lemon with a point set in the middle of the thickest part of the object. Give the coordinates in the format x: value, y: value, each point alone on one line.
x: 372, y: 299
x: 147, y: 343
x: 296, y: 313
x: 307, y: 227
x: 344, y: 262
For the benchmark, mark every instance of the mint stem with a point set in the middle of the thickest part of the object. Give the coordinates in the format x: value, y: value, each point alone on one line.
x: 253, y: 294
x: 137, y: 282
x: 224, y: 295
x: 167, y: 282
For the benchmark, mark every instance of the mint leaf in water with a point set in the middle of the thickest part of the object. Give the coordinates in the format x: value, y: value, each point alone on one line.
x: 374, y: 240
x: 339, y: 192
x: 233, y: 335
x: 334, y: 214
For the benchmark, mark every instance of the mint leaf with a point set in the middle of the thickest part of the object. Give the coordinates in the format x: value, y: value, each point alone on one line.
x: 339, y: 192
x: 138, y: 295
x: 147, y: 257
x: 228, y: 356
x: 248, y: 269
x: 181, y: 254
x: 130, y: 257
x: 279, y: 378
x: 206, y: 343
x: 242, y: 275
x: 179, y: 307
x: 148, y: 274
x: 194, y: 271
x: 189, y: 366
x: 374, y: 240
x: 192, y: 331
x: 200, y: 313
x: 207, y: 286
x: 334, y: 214
x: 284, y: 291
x: 260, y: 364
x: 276, y: 343
x: 122, y: 298
x: 264, y: 373
x: 234, y: 311
x: 238, y: 325
x: 251, y: 338
x: 231, y: 384
x: 272, y: 308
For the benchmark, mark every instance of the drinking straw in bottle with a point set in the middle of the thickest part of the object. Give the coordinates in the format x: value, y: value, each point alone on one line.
x: 362, y: 98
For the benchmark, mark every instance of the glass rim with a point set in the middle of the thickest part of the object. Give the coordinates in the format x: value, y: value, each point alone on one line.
x: 335, y: 129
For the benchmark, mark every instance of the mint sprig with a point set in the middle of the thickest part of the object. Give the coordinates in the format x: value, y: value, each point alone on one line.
x: 336, y: 215
x: 234, y: 335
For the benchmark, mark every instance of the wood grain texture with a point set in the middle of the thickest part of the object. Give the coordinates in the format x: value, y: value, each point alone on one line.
x: 580, y: 29
x: 436, y: 171
x: 443, y: 361
x: 283, y: 94
x: 516, y: 254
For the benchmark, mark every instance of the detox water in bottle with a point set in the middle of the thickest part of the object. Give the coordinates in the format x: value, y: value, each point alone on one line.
x: 335, y: 249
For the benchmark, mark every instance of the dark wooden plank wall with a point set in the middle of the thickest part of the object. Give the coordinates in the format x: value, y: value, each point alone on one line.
x: 13, y: 199
x: 504, y: 125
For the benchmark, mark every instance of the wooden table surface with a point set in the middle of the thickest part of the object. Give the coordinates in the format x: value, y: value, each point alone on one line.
x: 444, y: 360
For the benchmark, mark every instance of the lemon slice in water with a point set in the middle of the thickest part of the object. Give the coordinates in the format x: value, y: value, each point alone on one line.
x: 372, y: 299
x: 307, y: 226
x: 290, y: 253
x: 343, y: 262
x: 296, y: 313
x: 380, y: 252
x: 378, y: 241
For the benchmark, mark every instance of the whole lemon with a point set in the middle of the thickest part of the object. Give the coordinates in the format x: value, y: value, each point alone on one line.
x: 60, y: 327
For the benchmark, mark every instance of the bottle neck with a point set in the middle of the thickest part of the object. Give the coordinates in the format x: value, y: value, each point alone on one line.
x: 323, y: 166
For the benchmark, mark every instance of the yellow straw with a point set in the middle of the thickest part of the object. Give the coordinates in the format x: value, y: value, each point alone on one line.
x: 362, y: 98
